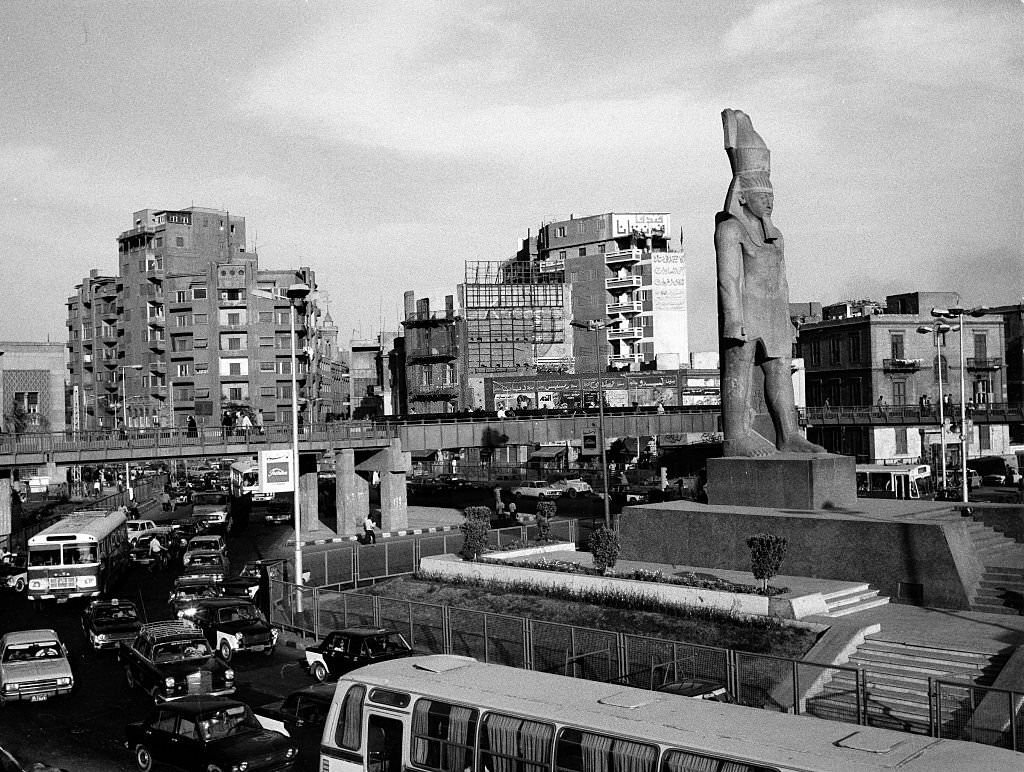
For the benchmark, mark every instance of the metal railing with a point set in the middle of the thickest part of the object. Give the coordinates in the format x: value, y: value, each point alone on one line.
x: 977, y: 713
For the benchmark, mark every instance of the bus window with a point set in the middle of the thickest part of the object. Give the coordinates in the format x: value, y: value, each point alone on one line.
x: 505, y: 740
x: 681, y: 761
x: 81, y: 554
x: 45, y: 556
x: 384, y: 745
x: 588, y: 752
x: 443, y: 735
x: 350, y: 721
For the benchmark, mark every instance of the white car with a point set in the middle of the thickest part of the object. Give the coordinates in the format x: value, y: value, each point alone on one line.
x: 536, y: 489
x: 137, y: 527
x: 574, y: 487
x: 33, y: 666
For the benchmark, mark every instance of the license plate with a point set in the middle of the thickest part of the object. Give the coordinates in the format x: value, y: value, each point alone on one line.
x: 37, y: 698
x: 62, y: 582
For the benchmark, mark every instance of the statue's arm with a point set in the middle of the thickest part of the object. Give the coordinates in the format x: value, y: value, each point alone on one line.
x: 730, y: 279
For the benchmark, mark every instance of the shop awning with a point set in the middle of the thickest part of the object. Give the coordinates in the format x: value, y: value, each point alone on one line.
x: 423, y: 455
x: 551, y: 451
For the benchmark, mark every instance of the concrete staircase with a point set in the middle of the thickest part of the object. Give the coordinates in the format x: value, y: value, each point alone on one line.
x: 850, y: 600
x: 1000, y: 591
x: 896, y: 679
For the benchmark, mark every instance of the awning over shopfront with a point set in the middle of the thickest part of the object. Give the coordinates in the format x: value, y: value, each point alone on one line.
x: 423, y: 455
x: 549, y: 451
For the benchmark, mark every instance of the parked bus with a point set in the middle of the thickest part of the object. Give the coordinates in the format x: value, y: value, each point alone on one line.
x: 894, y: 481
x: 454, y: 714
x: 245, y: 481
x: 79, y: 556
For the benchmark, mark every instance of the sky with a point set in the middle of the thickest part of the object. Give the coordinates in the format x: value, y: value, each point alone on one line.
x: 384, y: 144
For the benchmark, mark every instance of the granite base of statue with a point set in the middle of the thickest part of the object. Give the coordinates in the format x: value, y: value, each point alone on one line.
x: 803, y: 481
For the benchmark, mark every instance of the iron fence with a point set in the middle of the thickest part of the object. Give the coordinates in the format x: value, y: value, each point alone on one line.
x: 977, y: 713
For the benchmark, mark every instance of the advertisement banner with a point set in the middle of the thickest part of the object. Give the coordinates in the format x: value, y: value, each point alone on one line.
x: 276, y: 474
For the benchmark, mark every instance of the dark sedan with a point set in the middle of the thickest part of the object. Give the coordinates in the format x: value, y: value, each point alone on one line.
x: 234, y: 625
x: 208, y: 733
x: 345, y: 650
x: 108, y: 622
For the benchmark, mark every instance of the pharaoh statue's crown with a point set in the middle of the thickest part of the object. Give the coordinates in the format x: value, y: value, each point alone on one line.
x: 748, y: 154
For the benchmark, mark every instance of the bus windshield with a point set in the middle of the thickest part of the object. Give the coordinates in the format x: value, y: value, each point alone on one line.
x: 66, y: 555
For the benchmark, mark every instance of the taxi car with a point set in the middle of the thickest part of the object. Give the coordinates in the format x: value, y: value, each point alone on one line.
x: 208, y: 734
x: 345, y: 650
x: 14, y: 572
x: 108, y: 622
x: 34, y: 666
x: 234, y: 625
x: 172, y: 660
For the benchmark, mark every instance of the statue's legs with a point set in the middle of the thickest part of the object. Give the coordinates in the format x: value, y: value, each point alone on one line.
x: 778, y: 395
x: 737, y: 412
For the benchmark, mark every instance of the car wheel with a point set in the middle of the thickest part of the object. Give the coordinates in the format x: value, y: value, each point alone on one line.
x: 19, y: 586
x: 319, y: 672
x: 225, y: 651
x: 143, y: 758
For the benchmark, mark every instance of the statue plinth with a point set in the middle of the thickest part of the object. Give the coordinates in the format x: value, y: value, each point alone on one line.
x: 784, y: 481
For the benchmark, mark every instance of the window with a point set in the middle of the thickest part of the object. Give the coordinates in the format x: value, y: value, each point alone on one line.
x: 268, y: 391
x: 425, y: 375
x: 560, y: 232
x: 505, y: 740
x: 901, y: 440
x: 685, y: 761
x: 283, y: 318
x: 202, y: 368
x: 590, y: 752
x: 899, y: 392
x: 834, y: 356
x: 442, y: 735
x: 855, y: 347
x: 199, y: 293
x: 181, y: 343
x: 267, y: 367
x: 266, y: 341
x: 815, y: 352
x: 27, y: 400
x: 282, y: 341
x: 940, y: 361
x: 284, y: 367
x: 284, y: 391
x: 266, y: 317
x: 181, y: 296
x: 234, y: 392
x: 984, y: 437
x: 184, y: 369
x: 232, y: 294
x: 350, y: 720
x: 234, y: 342
x: 980, y: 346
x: 200, y: 319
x: 600, y: 249
x: 561, y: 254
x: 182, y: 320
x: 581, y: 227
x: 234, y: 319
x: 179, y: 241
x: 234, y: 367
x: 583, y: 251
x: 896, y: 344
x: 982, y: 390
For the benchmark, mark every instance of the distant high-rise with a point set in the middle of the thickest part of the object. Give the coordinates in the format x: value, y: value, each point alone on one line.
x: 179, y: 331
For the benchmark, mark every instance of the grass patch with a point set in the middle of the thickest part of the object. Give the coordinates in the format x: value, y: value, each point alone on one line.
x: 762, y: 635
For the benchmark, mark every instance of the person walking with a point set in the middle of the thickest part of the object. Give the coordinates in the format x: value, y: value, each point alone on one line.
x: 245, y: 424
x: 156, y: 554
x: 369, y: 537
x: 165, y: 500
x: 192, y: 428
x: 97, y: 487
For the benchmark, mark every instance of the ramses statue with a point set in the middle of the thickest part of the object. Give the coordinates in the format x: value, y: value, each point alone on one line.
x: 753, y: 301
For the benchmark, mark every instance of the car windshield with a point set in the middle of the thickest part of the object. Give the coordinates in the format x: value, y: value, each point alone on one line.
x: 115, y: 613
x: 201, y: 499
x: 386, y: 644
x: 234, y: 720
x: 35, y: 651
x: 175, y: 650
x: 204, y: 544
x: 242, y: 612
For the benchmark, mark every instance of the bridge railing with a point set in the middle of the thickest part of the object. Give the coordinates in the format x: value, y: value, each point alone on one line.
x: 987, y: 412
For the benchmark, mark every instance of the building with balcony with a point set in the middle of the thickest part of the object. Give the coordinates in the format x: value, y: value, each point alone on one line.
x: 32, y: 386
x: 880, y: 360
x: 186, y: 328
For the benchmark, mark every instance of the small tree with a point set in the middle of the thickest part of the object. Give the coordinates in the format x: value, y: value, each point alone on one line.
x: 545, y: 511
x: 474, y: 531
x: 767, y: 552
x: 604, y: 546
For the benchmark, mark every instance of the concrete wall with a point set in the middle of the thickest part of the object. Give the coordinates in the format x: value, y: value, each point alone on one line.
x: 881, y: 551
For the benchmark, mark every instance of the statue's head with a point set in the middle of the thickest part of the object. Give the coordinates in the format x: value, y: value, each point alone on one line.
x: 751, y: 187
x: 756, y: 194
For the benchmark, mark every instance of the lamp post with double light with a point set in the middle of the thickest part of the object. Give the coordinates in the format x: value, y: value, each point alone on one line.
x: 595, y: 326
x: 296, y: 294
x: 124, y: 418
x: 938, y: 329
x: 958, y: 312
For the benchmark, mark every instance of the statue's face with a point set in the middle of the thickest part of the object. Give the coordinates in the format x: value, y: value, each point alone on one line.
x: 760, y: 203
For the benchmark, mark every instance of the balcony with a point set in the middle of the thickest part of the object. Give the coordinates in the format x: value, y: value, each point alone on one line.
x: 157, y: 320
x: 625, y: 333
x: 625, y: 307
x: 432, y: 354
x: 976, y: 363
x: 156, y: 344
x: 632, y: 281
x: 901, y: 365
x: 620, y: 359
x: 623, y: 257
x: 432, y: 318
x: 108, y: 310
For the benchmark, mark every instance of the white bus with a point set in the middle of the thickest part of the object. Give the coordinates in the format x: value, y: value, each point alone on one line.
x: 453, y: 714
x: 894, y: 481
x: 245, y: 481
x: 79, y: 556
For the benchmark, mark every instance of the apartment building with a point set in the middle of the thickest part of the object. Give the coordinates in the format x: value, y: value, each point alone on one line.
x: 192, y: 326
x: 32, y: 386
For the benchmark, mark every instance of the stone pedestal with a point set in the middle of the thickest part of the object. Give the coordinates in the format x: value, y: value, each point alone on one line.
x: 784, y: 481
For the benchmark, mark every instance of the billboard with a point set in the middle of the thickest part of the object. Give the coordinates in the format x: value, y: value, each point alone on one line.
x: 276, y: 472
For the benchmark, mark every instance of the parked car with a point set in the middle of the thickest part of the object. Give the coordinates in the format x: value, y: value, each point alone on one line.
x: 208, y: 734
x: 536, y: 489
x: 137, y: 527
x: 345, y: 650
x: 234, y: 625
x: 14, y: 572
x: 109, y: 622
x: 301, y: 716
x: 574, y: 487
x: 34, y: 666
x: 172, y: 660
x: 210, y: 509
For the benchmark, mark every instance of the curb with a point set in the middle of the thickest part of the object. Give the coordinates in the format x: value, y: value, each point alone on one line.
x: 388, y: 535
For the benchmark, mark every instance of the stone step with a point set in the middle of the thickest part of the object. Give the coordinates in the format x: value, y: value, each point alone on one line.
x: 858, y: 588
x: 1000, y: 587
x: 1016, y: 570
x: 986, y: 608
x: 916, y: 651
x: 851, y: 597
x: 862, y: 605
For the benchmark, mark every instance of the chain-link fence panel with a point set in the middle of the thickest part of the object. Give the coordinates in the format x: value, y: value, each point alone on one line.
x: 442, y: 544
x: 505, y: 640
x: 399, y: 558
x: 340, y: 565
x: 292, y: 607
x: 574, y: 651
x: 280, y: 608
x: 955, y: 704
x: 396, y: 614
x: 345, y: 609
x: 829, y: 692
x: 764, y: 682
x: 468, y: 632
x: 428, y: 627
x: 979, y: 714
x: 651, y: 663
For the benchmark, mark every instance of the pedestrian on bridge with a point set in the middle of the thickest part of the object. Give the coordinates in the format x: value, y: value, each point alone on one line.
x: 369, y: 537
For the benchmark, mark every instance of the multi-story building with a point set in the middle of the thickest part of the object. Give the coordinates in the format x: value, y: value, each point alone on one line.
x: 191, y: 326
x: 881, y: 360
x: 32, y: 386
x: 435, y: 358
x: 370, y: 375
x: 622, y: 273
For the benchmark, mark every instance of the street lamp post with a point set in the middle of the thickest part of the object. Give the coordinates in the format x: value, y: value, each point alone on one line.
x: 596, y: 326
x: 124, y: 419
x: 957, y: 312
x: 939, y: 330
